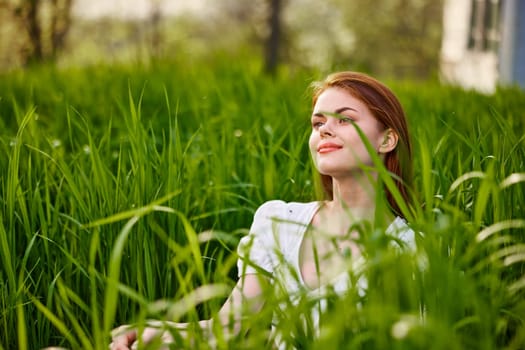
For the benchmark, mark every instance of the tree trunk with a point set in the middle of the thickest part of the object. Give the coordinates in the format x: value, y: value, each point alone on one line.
x: 274, y: 38
x: 34, y: 30
x: 60, y: 24
x: 156, y: 33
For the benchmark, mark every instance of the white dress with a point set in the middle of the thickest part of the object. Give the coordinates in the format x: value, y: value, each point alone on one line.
x: 273, y: 245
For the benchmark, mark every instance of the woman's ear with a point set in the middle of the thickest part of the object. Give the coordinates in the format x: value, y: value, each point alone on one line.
x: 389, y: 143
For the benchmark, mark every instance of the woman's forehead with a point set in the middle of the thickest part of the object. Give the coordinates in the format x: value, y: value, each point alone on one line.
x: 335, y: 98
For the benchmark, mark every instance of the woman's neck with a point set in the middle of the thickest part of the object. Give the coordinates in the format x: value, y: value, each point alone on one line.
x: 356, y: 194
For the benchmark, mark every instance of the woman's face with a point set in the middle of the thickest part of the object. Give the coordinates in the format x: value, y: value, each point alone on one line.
x: 335, y: 145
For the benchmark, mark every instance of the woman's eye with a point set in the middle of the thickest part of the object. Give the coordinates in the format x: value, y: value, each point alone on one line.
x: 345, y: 120
x: 317, y: 125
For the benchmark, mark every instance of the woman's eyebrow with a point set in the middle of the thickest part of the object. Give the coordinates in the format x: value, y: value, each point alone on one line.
x: 337, y: 111
x: 342, y: 109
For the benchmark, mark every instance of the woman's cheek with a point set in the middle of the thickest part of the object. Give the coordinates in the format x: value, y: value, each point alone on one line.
x: 312, y: 144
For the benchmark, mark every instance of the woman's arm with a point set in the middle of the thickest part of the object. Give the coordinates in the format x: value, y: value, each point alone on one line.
x: 245, y: 298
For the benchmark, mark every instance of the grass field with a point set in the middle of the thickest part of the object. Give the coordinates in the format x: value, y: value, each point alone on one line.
x: 123, y: 185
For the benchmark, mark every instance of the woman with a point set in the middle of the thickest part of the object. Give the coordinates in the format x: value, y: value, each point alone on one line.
x: 356, y: 121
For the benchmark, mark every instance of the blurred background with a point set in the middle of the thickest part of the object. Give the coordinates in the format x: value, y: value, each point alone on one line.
x: 477, y: 44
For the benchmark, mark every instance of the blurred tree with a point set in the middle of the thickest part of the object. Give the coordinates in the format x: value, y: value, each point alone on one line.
x: 317, y: 35
x: 399, y: 38
x: 273, y: 40
x: 255, y: 24
x: 262, y: 21
x: 45, y: 24
x: 155, y: 20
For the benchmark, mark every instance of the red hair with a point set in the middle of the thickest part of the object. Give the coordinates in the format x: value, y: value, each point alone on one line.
x: 387, y: 109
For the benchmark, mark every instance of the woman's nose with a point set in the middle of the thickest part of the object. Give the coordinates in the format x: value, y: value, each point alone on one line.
x: 326, y: 129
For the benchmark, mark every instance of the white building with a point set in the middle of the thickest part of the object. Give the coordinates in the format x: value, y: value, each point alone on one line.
x: 483, y: 43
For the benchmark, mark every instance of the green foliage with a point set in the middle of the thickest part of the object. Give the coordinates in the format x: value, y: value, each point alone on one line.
x: 397, y: 38
x: 125, y: 185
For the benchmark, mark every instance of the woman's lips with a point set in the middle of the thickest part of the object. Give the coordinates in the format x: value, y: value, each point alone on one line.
x: 328, y: 147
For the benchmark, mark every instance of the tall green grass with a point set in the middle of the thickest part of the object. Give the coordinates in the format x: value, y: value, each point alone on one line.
x: 125, y: 189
